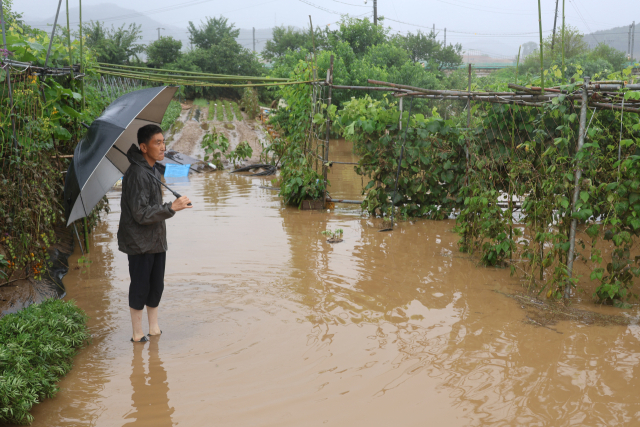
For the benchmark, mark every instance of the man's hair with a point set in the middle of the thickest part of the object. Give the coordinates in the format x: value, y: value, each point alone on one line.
x: 146, y: 132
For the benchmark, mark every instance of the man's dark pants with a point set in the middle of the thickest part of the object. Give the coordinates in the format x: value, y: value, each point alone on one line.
x: 147, y: 279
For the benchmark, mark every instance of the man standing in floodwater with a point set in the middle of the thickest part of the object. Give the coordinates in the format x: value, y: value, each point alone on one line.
x: 142, y: 234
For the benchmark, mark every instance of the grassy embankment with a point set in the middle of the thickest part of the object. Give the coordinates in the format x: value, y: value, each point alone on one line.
x: 37, y: 346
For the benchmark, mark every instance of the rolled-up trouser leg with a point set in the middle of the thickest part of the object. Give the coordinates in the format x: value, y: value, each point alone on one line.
x: 147, y: 279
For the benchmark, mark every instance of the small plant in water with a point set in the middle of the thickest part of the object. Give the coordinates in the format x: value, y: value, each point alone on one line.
x: 84, y: 260
x: 335, y: 236
x: 242, y: 151
x: 215, y: 145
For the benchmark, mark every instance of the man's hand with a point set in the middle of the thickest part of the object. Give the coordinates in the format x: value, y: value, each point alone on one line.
x: 180, y: 204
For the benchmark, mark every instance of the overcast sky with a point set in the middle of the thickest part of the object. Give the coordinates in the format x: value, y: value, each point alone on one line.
x: 492, y: 24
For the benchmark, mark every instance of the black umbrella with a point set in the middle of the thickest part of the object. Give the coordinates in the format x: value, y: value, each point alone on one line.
x: 99, y: 160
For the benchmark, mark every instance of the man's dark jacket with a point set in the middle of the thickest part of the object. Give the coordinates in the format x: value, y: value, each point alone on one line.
x: 142, y: 229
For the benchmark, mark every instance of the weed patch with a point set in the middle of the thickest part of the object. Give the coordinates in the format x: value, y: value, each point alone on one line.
x: 37, y: 346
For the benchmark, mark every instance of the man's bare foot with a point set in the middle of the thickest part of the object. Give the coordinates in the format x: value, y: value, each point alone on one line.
x: 154, y: 328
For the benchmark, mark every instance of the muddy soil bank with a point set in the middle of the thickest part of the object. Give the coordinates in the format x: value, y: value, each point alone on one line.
x: 186, y: 135
x: 24, y: 292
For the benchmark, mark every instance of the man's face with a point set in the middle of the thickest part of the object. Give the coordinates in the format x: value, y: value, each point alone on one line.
x: 154, y: 149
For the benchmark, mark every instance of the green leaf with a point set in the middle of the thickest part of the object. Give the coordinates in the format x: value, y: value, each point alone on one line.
x: 584, y: 196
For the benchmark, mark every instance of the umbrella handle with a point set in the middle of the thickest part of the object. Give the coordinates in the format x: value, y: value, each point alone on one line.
x: 151, y: 175
x: 178, y: 196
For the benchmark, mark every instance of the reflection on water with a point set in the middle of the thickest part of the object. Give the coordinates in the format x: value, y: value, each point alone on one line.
x: 265, y: 323
x: 344, y: 182
x: 150, y: 388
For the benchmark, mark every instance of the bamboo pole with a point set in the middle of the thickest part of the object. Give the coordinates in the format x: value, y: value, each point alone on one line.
x: 195, y: 73
x: 8, y: 78
x: 81, y: 58
x: 53, y: 32
x: 178, y: 81
x: 69, y: 41
x: 86, y: 235
x: 466, y: 148
x: 326, y: 144
x: 563, y: 78
x: 576, y: 186
x: 541, y: 47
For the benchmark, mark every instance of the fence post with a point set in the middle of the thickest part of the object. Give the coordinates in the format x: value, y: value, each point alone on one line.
x: 326, y: 144
x: 576, y: 189
x: 400, y: 108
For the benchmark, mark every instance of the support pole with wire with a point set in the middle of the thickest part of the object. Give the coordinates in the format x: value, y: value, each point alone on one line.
x: 326, y: 144
x: 576, y: 188
x: 541, y: 48
x: 69, y: 42
x: 563, y: 78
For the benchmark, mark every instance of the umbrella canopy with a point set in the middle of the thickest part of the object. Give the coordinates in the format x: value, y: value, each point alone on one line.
x: 97, y: 163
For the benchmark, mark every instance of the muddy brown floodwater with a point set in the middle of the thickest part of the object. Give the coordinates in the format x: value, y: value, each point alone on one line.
x: 266, y: 324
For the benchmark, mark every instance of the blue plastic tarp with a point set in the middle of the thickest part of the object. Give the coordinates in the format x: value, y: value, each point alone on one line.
x: 176, y: 171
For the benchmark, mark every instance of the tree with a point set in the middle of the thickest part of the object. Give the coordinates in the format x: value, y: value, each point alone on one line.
x: 528, y: 48
x: 285, y: 39
x: 615, y: 57
x: 165, y: 50
x: 360, y: 34
x: 212, y: 31
x: 113, y: 45
x: 421, y: 47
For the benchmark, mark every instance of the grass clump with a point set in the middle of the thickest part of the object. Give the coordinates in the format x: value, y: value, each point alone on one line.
x: 200, y: 102
x: 212, y: 110
x: 236, y: 109
x: 171, y: 115
x: 219, y: 111
x: 37, y: 346
x: 228, y: 111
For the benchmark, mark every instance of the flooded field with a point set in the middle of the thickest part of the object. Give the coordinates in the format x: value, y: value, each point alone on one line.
x: 266, y: 324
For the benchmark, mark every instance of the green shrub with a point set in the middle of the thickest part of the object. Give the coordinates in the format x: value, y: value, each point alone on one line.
x: 215, y: 145
x: 242, y: 151
x: 171, y: 115
x: 37, y: 346
x: 250, y: 102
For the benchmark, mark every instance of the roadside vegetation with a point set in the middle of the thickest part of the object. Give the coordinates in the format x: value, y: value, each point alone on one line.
x: 37, y: 346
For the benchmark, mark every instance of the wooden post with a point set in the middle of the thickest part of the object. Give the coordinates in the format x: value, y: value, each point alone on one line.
x: 375, y: 12
x: 400, y: 108
x: 541, y: 48
x: 326, y: 144
x: 576, y: 189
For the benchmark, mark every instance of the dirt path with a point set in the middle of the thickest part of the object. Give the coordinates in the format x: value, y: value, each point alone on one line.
x: 186, y: 135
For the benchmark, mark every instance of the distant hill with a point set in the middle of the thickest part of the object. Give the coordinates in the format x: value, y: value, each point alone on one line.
x: 617, y: 37
x: 112, y: 14
x: 116, y: 15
